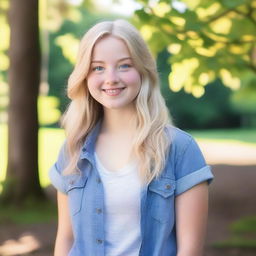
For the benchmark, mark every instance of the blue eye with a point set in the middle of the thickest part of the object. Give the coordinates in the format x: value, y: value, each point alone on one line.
x: 97, y: 68
x: 124, y: 66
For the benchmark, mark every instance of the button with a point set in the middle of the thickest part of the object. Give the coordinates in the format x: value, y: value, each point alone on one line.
x: 99, y: 211
x: 98, y: 180
x: 168, y: 186
x: 71, y: 182
x: 99, y: 241
x: 83, y: 149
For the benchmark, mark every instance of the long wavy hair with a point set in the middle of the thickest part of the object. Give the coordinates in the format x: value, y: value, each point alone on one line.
x: 150, y: 143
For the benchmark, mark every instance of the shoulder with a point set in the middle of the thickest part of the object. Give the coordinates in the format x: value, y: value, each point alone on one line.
x: 186, y: 161
x: 63, y: 156
x: 179, y: 139
x: 56, y: 171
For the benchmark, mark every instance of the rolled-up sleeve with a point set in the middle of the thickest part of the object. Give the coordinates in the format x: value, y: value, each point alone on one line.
x: 191, y: 168
x: 55, y: 174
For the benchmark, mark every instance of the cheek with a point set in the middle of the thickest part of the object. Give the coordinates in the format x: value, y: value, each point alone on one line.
x: 92, y: 88
x: 132, y: 78
x: 92, y: 83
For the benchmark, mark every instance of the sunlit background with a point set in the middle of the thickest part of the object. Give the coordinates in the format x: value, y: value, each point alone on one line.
x: 206, y: 57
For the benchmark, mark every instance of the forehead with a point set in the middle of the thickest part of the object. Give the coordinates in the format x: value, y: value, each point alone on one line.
x: 109, y: 47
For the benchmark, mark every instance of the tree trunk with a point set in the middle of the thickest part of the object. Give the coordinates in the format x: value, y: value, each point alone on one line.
x: 22, y: 181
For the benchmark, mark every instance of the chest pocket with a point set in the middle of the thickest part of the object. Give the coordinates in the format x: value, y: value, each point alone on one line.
x: 75, y: 191
x: 161, y: 196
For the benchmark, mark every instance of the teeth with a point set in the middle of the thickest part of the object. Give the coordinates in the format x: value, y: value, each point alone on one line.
x: 113, y: 90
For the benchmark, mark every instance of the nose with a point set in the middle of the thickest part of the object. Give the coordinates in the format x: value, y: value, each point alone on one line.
x: 112, y: 77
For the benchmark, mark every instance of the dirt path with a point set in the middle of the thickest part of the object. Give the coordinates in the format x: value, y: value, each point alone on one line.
x: 232, y: 196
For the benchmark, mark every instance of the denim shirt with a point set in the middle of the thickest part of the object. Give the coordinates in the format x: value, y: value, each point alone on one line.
x: 185, y: 168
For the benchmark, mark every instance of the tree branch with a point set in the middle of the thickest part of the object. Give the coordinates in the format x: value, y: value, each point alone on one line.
x: 246, y: 15
x: 212, y: 19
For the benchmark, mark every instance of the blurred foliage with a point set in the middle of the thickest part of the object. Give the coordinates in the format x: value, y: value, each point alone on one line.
x: 50, y: 141
x: 245, y: 104
x: 3, y: 150
x: 243, y: 234
x: 3, y: 100
x: 207, y: 39
x: 69, y: 45
x: 212, y: 110
x: 203, y: 41
x: 48, y: 112
x: 51, y: 16
x: 5, y: 39
x: 53, y: 12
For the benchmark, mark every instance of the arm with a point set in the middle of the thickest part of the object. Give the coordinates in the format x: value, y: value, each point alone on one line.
x: 64, y: 237
x: 191, y: 220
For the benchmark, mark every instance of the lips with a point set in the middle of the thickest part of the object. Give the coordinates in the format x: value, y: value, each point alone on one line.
x: 113, y: 92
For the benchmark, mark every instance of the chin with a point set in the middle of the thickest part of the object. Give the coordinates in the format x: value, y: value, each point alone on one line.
x: 114, y: 107
x: 118, y: 106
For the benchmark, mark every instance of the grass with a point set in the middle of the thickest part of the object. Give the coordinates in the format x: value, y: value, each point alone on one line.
x: 31, y: 213
x: 243, y: 234
x: 239, y: 136
x: 245, y: 225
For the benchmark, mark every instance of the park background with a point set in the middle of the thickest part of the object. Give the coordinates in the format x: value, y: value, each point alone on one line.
x: 206, y: 57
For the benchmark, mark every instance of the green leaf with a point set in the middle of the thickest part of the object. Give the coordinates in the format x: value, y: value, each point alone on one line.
x: 233, y: 3
x: 142, y: 16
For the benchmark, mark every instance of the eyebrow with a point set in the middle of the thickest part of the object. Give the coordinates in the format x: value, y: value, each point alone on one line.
x: 122, y: 59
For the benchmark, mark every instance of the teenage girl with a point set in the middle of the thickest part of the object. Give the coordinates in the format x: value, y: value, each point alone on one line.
x: 129, y: 183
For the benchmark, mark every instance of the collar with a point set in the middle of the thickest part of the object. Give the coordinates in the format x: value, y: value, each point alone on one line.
x: 87, y: 149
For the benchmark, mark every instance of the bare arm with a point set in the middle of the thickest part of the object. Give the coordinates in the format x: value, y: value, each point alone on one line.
x: 64, y: 237
x: 191, y: 220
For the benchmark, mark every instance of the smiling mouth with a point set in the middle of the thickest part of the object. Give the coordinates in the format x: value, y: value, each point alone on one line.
x: 113, y: 92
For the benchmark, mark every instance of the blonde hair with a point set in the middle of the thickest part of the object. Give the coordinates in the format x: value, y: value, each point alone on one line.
x: 151, y: 143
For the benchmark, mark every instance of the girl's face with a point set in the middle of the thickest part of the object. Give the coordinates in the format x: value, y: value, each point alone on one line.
x: 113, y: 80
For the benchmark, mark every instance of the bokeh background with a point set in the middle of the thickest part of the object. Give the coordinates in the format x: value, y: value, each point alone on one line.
x: 206, y: 57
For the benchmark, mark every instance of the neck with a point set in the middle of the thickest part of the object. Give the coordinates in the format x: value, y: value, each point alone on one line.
x: 117, y: 121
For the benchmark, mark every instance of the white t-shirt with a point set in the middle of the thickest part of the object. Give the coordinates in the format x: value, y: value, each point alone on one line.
x: 122, y: 191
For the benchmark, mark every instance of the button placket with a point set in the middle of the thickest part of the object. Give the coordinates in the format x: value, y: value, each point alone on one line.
x: 99, y: 210
x: 99, y: 213
x: 99, y: 241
